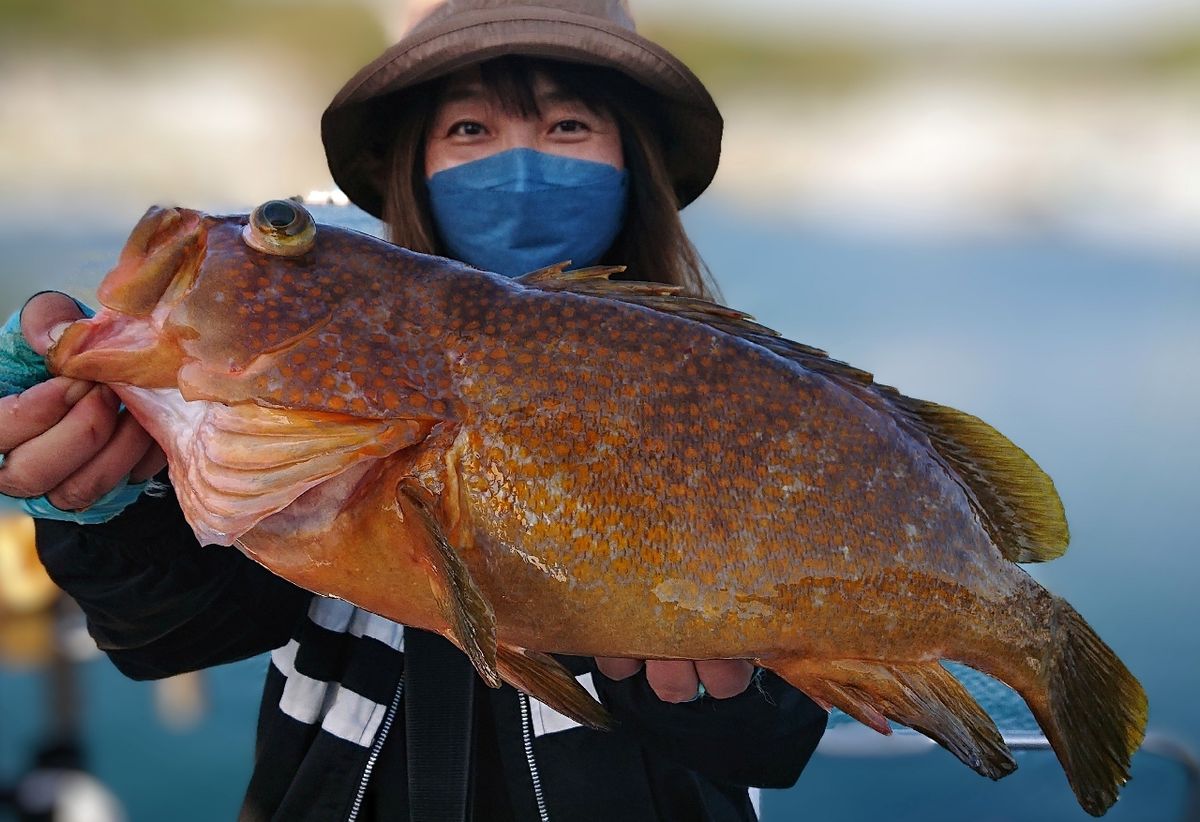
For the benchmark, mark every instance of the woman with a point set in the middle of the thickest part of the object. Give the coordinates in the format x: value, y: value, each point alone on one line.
x: 512, y: 138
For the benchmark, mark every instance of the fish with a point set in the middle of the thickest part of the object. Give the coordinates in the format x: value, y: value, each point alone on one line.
x: 571, y: 462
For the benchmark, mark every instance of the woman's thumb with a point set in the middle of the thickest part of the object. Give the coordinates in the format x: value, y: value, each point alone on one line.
x: 45, y: 317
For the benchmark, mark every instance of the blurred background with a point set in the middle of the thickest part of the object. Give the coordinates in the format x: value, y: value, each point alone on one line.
x: 995, y: 206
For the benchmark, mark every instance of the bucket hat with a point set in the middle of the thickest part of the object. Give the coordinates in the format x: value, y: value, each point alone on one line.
x: 457, y: 33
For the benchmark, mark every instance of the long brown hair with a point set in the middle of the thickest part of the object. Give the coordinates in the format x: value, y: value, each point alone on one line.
x: 652, y: 243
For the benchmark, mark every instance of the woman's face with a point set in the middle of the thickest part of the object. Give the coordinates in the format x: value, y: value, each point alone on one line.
x: 470, y: 124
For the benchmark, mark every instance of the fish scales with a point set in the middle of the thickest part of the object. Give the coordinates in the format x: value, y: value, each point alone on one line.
x: 581, y: 461
x: 565, y: 463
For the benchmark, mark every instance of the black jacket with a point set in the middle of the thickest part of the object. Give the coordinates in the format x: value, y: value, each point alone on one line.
x: 331, y: 731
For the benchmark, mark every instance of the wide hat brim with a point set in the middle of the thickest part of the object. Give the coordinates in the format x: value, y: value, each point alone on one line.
x: 356, y: 126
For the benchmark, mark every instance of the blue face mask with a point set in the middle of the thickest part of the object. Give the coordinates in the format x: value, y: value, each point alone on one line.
x: 521, y: 210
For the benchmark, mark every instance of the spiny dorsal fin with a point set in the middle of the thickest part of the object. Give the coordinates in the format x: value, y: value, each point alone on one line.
x: 553, y: 276
x: 1014, y: 498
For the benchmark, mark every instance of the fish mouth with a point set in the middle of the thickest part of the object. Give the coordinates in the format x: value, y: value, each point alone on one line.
x: 127, y: 342
x: 114, y: 348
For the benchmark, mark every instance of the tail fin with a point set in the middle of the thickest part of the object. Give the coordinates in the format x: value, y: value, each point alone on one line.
x: 1092, y: 710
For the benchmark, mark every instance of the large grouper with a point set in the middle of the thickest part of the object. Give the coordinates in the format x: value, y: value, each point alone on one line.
x: 571, y: 463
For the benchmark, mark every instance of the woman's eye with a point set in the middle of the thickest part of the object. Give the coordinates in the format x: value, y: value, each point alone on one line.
x: 570, y: 126
x: 467, y: 128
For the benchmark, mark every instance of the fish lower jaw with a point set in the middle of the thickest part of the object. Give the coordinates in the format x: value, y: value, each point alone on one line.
x: 115, y: 349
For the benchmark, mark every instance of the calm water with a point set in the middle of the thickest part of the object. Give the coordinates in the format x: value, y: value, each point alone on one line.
x: 1087, y: 357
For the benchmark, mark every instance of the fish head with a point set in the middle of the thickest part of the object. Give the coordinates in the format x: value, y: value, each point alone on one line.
x: 265, y: 354
x: 272, y: 309
x: 182, y: 277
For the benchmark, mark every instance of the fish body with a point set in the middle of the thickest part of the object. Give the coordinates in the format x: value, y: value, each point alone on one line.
x: 565, y: 463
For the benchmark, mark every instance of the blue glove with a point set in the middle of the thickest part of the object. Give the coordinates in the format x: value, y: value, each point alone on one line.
x: 21, y: 368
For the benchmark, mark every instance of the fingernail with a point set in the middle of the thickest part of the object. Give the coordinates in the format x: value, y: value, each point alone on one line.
x: 56, y: 331
x: 76, y: 391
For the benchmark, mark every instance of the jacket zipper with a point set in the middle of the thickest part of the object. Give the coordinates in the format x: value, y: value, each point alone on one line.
x: 527, y: 733
x: 388, y: 719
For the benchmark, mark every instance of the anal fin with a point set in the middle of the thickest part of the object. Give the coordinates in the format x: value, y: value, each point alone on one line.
x: 470, y: 616
x: 542, y: 677
x: 922, y: 695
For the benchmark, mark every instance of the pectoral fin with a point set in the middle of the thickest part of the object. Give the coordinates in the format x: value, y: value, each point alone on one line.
x: 542, y: 677
x: 468, y: 613
x: 240, y: 464
x: 923, y: 696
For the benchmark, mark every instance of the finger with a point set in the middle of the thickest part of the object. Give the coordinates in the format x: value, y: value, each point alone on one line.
x: 153, y: 461
x: 724, y: 678
x: 126, y: 448
x: 45, y: 313
x: 673, y: 680
x: 42, y: 463
x: 31, y: 413
x: 617, y: 667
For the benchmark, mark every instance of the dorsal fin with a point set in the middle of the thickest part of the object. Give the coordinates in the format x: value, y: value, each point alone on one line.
x: 1014, y: 498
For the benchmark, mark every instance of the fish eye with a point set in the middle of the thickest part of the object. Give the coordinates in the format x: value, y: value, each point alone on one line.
x: 280, y: 227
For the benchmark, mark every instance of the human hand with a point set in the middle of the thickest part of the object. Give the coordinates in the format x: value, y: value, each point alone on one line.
x: 678, y: 680
x: 66, y: 438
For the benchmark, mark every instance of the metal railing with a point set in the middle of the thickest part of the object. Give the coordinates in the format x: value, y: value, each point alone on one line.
x: 853, y: 740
